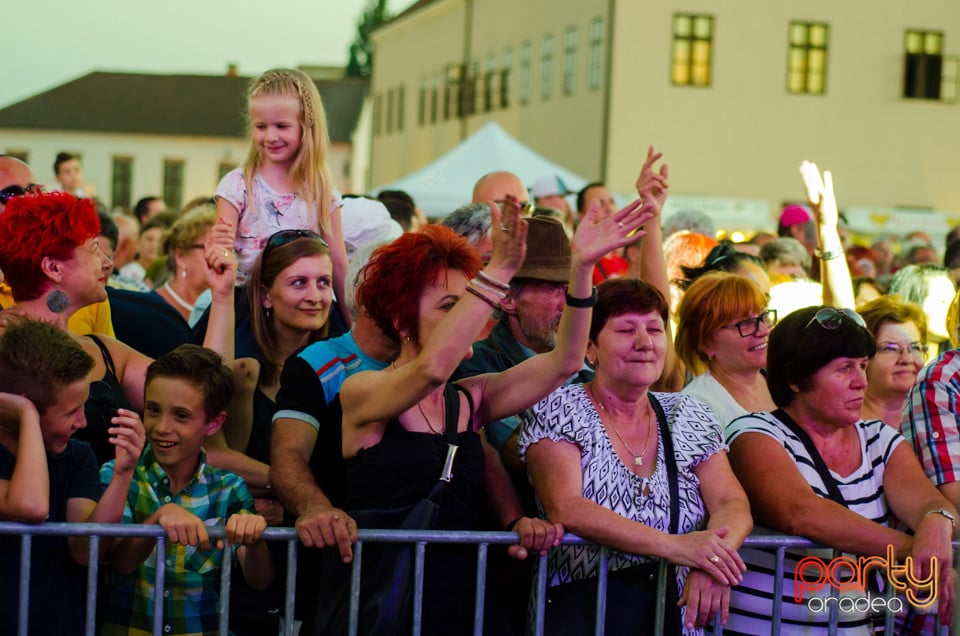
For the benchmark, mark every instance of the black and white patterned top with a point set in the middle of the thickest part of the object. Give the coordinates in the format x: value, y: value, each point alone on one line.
x: 568, y: 415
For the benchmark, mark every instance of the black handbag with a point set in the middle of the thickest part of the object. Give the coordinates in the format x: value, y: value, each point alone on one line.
x: 631, y: 592
x: 386, y: 581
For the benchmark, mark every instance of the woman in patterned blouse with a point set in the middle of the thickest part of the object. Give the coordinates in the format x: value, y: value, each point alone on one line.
x: 601, y: 468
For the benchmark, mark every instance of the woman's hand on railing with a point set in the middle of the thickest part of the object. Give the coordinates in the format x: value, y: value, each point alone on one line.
x: 706, y: 550
x: 704, y: 597
x: 536, y: 535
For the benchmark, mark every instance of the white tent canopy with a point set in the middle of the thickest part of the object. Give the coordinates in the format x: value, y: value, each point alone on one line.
x: 447, y: 183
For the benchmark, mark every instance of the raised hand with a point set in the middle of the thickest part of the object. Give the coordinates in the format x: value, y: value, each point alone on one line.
x: 128, y: 436
x: 13, y: 407
x: 221, y: 260
x: 652, y: 184
x: 597, y: 236
x: 706, y: 550
x: 509, y: 233
x: 819, y: 192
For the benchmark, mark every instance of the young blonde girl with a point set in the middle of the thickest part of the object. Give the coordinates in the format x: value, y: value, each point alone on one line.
x: 285, y: 183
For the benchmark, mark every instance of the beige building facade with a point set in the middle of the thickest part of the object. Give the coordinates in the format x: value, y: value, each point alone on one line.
x: 735, y: 94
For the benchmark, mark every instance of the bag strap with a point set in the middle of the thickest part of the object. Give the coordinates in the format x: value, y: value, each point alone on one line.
x: 107, y: 358
x: 670, y: 462
x: 833, y: 490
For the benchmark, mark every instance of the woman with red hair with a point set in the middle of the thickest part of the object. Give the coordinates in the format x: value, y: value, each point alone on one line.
x: 433, y: 297
x: 52, y: 261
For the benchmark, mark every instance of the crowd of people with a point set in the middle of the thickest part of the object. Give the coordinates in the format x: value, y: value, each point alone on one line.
x: 280, y: 354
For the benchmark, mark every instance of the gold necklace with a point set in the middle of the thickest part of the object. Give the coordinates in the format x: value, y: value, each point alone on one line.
x: 637, y: 457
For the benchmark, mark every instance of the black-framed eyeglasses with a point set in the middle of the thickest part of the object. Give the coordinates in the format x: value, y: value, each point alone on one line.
x: 281, y: 238
x: 14, y: 191
x: 830, y: 318
x: 914, y: 349
x: 526, y: 207
x: 749, y: 326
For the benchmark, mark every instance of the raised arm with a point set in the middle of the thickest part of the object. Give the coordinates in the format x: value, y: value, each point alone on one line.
x: 376, y: 396
x: 25, y: 496
x: 511, y: 391
x: 834, y: 271
x: 338, y: 257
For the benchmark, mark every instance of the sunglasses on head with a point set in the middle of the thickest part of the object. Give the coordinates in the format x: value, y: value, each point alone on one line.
x: 526, y: 208
x: 281, y: 238
x: 830, y: 318
x: 14, y: 191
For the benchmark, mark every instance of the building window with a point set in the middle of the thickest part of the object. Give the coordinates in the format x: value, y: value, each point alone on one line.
x: 922, y: 64
x: 505, y: 78
x: 692, y: 49
x: 224, y: 168
x: 389, y: 124
x: 489, y: 77
x: 468, y: 91
x: 377, y: 106
x: 807, y: 58
x: 569, y: 60
x: 595, y: 69
x: 524, y: 92
x: 400, y: 97
x: 546, y: 70
x: 434, y: 98
x: 121, y: 185
x: 173, y: 183
x: 422, y: 103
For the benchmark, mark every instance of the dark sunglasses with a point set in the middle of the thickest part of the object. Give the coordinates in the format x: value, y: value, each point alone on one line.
x: 281, y: 238
x: 830, y: 318
x: 749, y: 326
x: 14, y: 191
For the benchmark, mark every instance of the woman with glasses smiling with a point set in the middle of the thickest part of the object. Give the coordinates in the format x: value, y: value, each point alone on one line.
x: 815, y: 468
x: 722, y: 329
x: 900, y: 329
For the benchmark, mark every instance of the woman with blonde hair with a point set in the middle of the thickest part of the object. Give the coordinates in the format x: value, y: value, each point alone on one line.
x: 900, y: 329
x: 184, y: 246
x: 723, y: 325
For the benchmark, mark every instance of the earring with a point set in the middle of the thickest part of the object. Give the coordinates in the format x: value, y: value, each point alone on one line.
x: 268, y: 312
x: 184, y: 273
x: 591, y: 363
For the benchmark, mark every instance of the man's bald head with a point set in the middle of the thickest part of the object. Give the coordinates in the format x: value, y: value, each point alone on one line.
x: 495, y: 186
x: 14, y: 172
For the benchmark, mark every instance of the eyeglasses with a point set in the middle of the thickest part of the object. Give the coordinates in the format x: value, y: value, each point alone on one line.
x: 914, y: 349
x: 14, y: 191
x: 830, y: 318
x: 281, y: 238
x: 526, y: 207
x: 750, y: 326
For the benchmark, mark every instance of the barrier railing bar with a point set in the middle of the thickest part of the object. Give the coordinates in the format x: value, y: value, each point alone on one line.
x: 226, y: 573
x: 289, y: 602
x: 662, y: 584
x: 419, y: 565
x: 354, y: 616
x: 540, y: 602
x: 777, y: 591
x: 600, y: 617
x: 480, y: 589
x: 834, y: 618
x: 23, y: 618
x: 93, y: 560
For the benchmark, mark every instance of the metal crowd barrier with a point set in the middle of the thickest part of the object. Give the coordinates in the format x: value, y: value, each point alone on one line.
x: 420, y: 538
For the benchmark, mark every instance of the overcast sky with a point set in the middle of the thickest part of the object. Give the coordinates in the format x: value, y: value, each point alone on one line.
x: 46, y: 43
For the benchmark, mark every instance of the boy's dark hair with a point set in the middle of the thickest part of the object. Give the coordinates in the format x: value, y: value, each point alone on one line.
x: 38, y: 359
x: 62, y: 158
x: 582, y: 195
x: 143, y: 206
x: 799, y: 347
x: 200, y: 367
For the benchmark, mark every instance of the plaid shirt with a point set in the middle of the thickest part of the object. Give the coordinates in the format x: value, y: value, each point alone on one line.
x: 192, y: 576
x: 930, y: 418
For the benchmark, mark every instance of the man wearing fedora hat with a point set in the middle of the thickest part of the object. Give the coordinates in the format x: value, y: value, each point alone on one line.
x: 532, y: 310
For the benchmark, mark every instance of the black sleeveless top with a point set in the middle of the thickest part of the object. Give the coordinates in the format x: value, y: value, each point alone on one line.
x: 106, y: 396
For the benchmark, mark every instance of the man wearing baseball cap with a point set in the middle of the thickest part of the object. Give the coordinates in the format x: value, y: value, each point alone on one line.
x: 551, y: 192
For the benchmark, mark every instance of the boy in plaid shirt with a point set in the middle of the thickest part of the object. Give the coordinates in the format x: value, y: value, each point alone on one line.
x: 187, y: 392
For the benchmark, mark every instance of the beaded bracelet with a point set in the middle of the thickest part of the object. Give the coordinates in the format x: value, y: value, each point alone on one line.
x: 492, y: 281
x: 583, y: 303
x: 482, y: 297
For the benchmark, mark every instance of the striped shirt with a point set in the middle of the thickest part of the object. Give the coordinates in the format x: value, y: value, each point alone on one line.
x: 751, y: 602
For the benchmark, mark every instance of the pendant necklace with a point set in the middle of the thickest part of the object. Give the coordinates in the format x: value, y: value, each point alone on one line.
x: 423, y: 414
x: 637, y: 457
